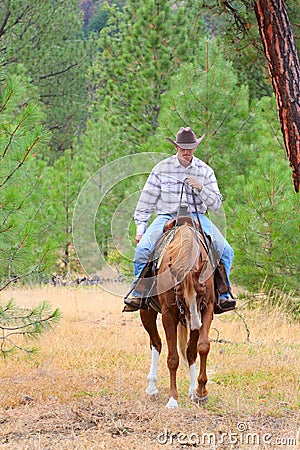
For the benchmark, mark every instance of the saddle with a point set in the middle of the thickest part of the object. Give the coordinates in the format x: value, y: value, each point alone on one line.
x: 145, y: 282
x: 181, y: 220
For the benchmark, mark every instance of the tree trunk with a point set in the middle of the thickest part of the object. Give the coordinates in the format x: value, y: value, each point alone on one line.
x: 281, y: 53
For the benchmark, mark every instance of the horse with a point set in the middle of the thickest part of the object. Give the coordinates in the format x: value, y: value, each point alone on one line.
x: 185, y: 292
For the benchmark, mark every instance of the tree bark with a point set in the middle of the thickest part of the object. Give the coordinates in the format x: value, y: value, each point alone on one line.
x: 281, y: 53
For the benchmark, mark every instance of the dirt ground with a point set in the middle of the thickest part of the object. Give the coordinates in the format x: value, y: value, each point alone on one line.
x: 86, y: 388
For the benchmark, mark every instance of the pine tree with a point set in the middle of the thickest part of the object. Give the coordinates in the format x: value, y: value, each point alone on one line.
x: 284, y: 65
x: 64, y: 179
x: 23, y: 200
x: 25, y: 252
x: 46, y: 37
x: 263, y: 212
x: 207, y: 97
x: 142, y: 48
x: 236, y: 24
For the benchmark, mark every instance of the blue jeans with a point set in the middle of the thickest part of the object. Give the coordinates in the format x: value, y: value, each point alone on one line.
x: 147, y: 244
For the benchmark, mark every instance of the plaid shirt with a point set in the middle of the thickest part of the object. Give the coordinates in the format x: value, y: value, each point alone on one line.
x: 163, y: 188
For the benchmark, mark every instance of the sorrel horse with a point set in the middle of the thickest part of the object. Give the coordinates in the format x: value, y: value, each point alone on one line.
x: 185, y: 287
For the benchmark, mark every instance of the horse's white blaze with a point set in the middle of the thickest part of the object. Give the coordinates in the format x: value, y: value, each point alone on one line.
x: 195, y: 317
x: 152, y: 377
x: 193, y: 378
x: 172, y: 403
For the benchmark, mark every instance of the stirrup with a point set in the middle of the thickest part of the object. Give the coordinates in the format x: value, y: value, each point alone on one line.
x: 128, y: 308
x: 134, y: 304
x: 219, y: 308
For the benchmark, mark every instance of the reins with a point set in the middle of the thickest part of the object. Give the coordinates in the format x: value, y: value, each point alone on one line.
x: 207, y: 244
x: 184, y: 187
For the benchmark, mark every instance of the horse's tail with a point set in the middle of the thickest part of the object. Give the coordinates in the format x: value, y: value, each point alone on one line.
x: 182, y: 338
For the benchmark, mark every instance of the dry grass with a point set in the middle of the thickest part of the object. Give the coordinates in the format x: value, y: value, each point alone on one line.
x: 86, y: 389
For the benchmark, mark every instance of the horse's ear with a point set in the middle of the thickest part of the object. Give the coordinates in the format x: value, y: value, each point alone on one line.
x: 196, y: 273
x: 201, y: 266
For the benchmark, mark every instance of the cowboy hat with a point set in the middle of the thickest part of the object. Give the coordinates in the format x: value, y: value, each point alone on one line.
x: 186, y: 139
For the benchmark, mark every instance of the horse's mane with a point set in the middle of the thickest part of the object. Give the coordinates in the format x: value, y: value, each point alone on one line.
x: 181, y: 255
x: 183, y: 245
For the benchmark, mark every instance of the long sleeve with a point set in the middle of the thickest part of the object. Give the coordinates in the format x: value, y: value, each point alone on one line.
x: 147, y: 201
x: 210, y: 194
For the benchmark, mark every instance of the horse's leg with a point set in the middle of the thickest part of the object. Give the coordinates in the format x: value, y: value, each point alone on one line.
x: 195, y: 325
x: 203, y: 347
x: 191, y: 357
x: 148, y: 318
x: 170, y: 323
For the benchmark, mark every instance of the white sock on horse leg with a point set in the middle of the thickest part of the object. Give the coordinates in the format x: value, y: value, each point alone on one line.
x: 152, y: 377
x: 193, y: 378
x: 172, y: 403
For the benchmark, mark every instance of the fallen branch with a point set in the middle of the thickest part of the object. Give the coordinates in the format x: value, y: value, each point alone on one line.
x: 223, y: 341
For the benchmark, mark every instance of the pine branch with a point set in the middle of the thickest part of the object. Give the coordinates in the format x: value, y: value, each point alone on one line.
x: 59, y: 72
x: 19, y: 18
x: 24, y: 275
x: 4, y: 23
x: 21, y: 162
x: 8, y: 227
x: 13, y: 133
x: 22, y: 241
x: 240, y: 23
x: 11, y: 280
x: 6, y: 101
x: 17, y: 322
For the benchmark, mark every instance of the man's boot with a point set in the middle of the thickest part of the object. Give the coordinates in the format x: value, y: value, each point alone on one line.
x: 133, y: 304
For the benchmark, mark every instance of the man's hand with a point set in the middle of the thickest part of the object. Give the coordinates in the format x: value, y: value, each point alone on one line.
x: 194, y: 183
x: 138, y: 238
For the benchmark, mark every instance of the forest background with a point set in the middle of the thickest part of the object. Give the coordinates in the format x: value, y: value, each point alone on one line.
x: 85, y: 83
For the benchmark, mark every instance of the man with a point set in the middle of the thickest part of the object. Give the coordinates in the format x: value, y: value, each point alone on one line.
x: 163, y: 190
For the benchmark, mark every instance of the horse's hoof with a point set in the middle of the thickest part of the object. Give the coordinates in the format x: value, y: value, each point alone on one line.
x: 172, y: 403
x: 152, y: 392
x: 191, y: 393
x: 199, y: 400
x: 152, y: 389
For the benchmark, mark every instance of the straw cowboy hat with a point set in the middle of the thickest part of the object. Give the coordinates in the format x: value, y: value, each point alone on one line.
x: 186, y: 139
